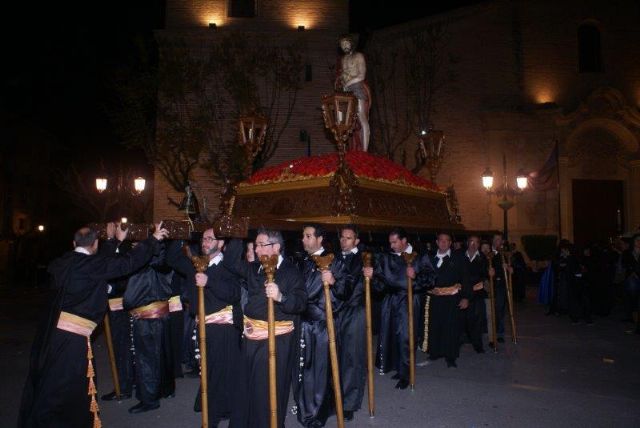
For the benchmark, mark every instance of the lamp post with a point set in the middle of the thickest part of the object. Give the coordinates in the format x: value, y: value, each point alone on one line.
x: 430, y: 152
x: 339, y: 112
x: 118, y: 192
x: 505, y: 192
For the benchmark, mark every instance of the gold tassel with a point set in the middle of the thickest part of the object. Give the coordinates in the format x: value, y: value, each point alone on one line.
x: 92, y: 390
x: 94, y: 405
x: 92, y: 387
x: 425, y: 342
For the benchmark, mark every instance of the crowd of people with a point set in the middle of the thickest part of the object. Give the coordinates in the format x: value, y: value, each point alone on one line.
x: 584, y: 283
x: 149, y: 290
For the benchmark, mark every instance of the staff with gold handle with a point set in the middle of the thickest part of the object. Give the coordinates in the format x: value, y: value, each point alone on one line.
x: 366, y: 261
x: 270, y: 264
x: 112, y: 356
x: 508, y: 285
x: 323, y: 263
x: 201, y: 263
x: 492, y: 303
x: 409, y: 258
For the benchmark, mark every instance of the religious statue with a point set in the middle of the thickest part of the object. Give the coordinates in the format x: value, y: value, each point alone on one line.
x: 189, y: 203
x: 351, y: 78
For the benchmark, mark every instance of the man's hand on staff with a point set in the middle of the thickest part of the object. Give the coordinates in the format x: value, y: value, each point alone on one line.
x: 201, y: 279
x: 464, y: 304
x: 479, y: 286
x: 492, y: 272
x: 411, y: 272
x: 272, y: 291
x: 327, y: 277
x: 368, y: 272
x: 159, y: 232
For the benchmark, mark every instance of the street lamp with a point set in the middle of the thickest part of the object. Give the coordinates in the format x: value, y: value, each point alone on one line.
x: 139, y: 184
x: 505, y: 192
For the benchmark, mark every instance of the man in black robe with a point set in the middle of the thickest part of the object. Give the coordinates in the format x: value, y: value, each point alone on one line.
x: 390, y: 276
x: 223, y: 323
x: 147, y: 299
x: 56, y: 393
x: 351, y: 326
x: 312, y: 389
x: 121, y: 324
x: 499, y: 284
x: 475, y: 273
x: 446, y: 302
x: 251, y: 407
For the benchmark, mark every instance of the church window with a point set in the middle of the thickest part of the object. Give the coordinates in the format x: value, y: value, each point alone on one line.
x: 242, y: 8
x: 589, y: 49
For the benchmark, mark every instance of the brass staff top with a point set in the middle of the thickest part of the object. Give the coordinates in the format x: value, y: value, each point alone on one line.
x: 409, y: 257
x: 323, y: 262
x: 367, y: 258
x: 269, y: 264
x: 201, y: 263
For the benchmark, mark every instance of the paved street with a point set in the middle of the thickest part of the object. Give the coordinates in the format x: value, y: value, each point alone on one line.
x: 558, y: 375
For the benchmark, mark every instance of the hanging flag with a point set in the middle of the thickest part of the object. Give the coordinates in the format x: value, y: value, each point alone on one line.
x: 546, y: 177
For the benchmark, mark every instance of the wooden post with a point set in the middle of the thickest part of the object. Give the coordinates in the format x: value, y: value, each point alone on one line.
x: 366, y: 261
x: 112, y: 356
x: 323, y: 263
x: 509, y: 288
x: 201, y: 263
x: 408, y: 258
x: 270, y: 264
x: 492, y: 306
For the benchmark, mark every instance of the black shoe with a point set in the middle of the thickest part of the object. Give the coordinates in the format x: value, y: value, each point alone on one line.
x: 169, y: 395
x: 479, y: 349
x: 492, y: 345
x: 315, y: 424
x: 501, y: 340
x: 402, y: 384
x: 395, y: 376
x: 192, y: 373
x: 141, y: 408
x: 348, y: 415
x: 112, y: 396
x: 451, y: 362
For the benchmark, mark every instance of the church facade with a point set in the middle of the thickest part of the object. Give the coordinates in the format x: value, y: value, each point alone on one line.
x: 528, y: 75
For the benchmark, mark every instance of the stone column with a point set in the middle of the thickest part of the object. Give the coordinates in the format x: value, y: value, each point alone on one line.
x: 633, y: 196
x: 566, y: 199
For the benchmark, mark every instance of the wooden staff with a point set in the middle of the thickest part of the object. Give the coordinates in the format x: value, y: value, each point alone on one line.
x: 201, y: 263
x: 366, y: 261
x: 323, y: 263
x: 270, y: 264
x: 112, y: 356
x: 509, y: 289
x: 412, y: 357
x: 492, y: 306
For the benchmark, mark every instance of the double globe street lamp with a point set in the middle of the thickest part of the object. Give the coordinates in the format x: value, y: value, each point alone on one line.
x: 505, y: 192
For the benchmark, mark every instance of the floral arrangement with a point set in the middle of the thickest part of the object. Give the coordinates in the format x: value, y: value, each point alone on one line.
x: 363, y: 165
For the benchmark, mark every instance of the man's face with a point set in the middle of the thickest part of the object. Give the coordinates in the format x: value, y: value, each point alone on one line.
x: 485, y: 248
x: 265, y: 248
x: 348, y: 240
x: 472, y: 244
x: 444, y: 243
x: 310, y: 242
x: 345, y: 45
x: 210, y: 245
x: 397, y: 245
x: 497, y: 242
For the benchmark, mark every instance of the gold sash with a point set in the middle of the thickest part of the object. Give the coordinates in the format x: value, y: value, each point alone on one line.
x: 175, y: 305
x: 75, y: 324
x: 157, y: 309
x: 259, y: 330
x: 115, y: 304
x: 223, y: 316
